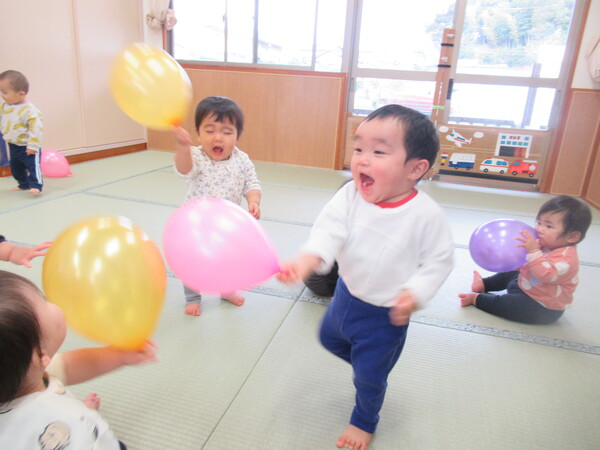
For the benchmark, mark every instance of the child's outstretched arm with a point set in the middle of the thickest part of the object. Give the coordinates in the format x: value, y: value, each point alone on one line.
x: 253, y: 199
x: 299, y: 269
x: 21, y: 255
x: 84, y: 364
x: 183, y: 155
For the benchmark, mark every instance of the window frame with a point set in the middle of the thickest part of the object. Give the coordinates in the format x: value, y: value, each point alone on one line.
x: 349, y: 61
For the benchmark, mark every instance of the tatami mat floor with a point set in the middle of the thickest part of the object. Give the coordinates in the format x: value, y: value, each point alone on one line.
x: 256, y: 377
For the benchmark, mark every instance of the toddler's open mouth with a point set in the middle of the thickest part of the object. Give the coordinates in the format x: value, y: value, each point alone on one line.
x: 366, y: 180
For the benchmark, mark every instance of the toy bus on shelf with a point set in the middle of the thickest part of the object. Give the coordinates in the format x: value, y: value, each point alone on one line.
x: 462, y: 161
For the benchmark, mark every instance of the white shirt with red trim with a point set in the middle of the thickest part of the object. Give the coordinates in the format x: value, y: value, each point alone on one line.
x: 382, y: 251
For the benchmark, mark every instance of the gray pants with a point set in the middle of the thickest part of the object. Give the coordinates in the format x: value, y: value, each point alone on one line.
x: 191, y: 296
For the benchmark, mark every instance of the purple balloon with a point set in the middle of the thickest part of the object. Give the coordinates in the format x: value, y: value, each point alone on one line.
x: 493, y: 245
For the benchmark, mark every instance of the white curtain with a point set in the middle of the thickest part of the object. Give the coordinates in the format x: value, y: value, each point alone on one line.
x: 160, y: 15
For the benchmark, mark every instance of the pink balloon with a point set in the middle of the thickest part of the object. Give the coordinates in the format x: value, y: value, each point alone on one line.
x: 215, y: 246
x: 54, y: 164
x: 493, y: 245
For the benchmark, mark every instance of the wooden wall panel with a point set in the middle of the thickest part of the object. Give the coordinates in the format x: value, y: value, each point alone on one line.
x: 592, y: 190
x: 292, y: 117
x: 65, y: 48
x: 352, y: 124
x: 573, y: 152
x: 104, y: 122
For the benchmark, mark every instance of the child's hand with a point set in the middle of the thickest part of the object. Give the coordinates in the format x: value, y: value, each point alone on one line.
x: 298, y: 270
x: 529, y: 242
x: 254, y: 209
x: 404, y: 307
x: 182, y: 137
x: 22, y: 255
x: 143, y: 355
x: 289, y: 273
x: 92, y: 401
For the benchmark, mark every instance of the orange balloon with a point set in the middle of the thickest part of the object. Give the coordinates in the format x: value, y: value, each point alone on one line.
x: 109, y: 278
x: 150, y: 86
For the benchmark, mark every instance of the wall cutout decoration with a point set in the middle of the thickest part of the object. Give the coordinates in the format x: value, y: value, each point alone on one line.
x: 491, y: 153
x: 458, y: 139
x: 513, y: 145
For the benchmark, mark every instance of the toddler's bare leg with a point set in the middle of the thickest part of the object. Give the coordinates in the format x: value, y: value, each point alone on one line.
x: 237, y: 300
x: 477, y: 285
x: 193, y: 309
x: 467, y: 299
x: 354, y: 438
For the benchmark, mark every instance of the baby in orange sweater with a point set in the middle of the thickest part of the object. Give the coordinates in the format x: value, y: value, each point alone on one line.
x: 540, y: 290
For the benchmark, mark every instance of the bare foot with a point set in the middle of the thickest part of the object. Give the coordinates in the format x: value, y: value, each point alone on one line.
x: 467, y: 299
x: 355, y: 438
x: 477, y: 285
x: 92, y: 401
x: 34, y: 191
x: 193, y: 309
x: 16, y: 188
x: 237, y: 300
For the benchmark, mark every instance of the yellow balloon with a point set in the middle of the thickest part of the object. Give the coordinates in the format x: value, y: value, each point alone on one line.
x: 109, y: 278
x: 150, y: 86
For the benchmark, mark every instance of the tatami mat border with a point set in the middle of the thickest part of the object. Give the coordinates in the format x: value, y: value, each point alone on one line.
x: 525, y: 337
x: 306, y: 295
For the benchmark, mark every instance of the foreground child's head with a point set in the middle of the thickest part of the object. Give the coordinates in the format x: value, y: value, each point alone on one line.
x: 13, y: 86
x: 31, y: 331
x: 393, y: 148
x: 219, y: 123
x: 562, y: 221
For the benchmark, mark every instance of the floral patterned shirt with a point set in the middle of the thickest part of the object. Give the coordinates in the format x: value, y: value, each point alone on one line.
x: 231, y: 179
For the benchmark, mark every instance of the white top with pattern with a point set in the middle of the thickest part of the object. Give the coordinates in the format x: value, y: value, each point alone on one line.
x: 230, y: 179
x: 53, y: 419
x: 21, y: 124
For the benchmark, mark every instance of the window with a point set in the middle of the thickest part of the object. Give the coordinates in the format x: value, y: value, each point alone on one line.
x: 288, y: 33
x: 509, y: 64
x: 397, y: 36
x: 510, y: 60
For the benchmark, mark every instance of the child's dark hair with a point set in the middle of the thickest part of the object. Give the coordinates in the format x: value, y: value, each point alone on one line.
x: 20, y: 333
x: 222, y: 108
x: 577, y: 215
x: 421, y: 139
x: 17, y: 80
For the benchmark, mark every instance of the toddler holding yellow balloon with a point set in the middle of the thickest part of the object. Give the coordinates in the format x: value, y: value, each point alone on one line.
x: 217, y: 168
x: 35, y: 408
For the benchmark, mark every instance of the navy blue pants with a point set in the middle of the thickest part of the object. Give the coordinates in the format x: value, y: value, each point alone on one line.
x: 26, y: 168
x: 362, y: 335
x: 515, y: 305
